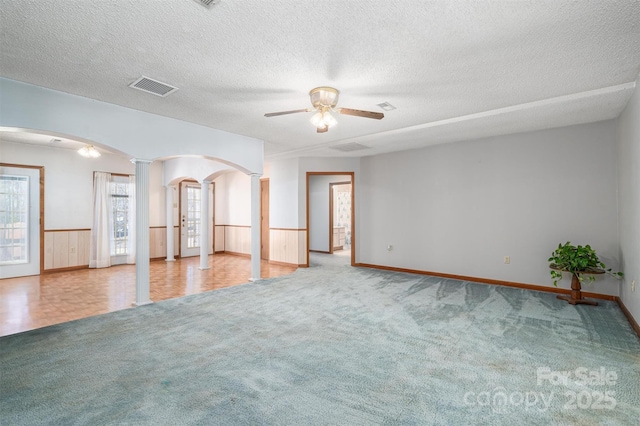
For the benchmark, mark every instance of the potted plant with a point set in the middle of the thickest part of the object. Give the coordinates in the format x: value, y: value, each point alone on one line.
x: 578, y: 261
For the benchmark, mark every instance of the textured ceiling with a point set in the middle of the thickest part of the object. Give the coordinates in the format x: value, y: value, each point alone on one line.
x: 455, y: 70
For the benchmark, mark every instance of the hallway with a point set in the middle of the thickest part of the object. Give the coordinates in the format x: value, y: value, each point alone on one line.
x: 38, y: 301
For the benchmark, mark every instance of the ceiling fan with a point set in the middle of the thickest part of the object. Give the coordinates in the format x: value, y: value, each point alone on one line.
x: 324, y: 100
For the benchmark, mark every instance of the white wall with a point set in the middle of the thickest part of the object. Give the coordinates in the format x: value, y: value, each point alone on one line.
x: 628, y: 135
x: 460, y: 208
x: 135, y: 133
x: 157, y: 196
x: 177, y: 169
x: 319, y: 209
x: 233, y: 199
x: 288, y: 201
x: 68, y: 180
x: 288, y: 187
x: 283, y: 194
x: 69, y: 186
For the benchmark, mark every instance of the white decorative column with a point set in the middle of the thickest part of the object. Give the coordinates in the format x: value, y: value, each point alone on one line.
x: 255, y: 227
x: 169, y: 196
x: 142, y: 231
x: 204, y: 224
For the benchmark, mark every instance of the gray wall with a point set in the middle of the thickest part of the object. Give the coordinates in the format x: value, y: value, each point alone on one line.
x: 629, y: 200
x: 459, y: 208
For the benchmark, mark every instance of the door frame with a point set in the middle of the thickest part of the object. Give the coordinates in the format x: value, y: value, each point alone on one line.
x: 213, y: 214
x: 353, y: 211
x: 264, y: 242
x: 41, y: 213
x: 331, y: 189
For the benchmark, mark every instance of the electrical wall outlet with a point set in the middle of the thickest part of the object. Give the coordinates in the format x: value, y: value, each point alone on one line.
x: 633, y: 285
x: 72, y: 249
x: 507, y: 259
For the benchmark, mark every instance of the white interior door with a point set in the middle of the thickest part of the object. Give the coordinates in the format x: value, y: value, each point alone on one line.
x: 190, y: 236
x: 19, y: 221
x: 190, y: 219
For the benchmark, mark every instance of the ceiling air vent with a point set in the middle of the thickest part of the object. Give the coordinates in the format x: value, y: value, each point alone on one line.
x: 386, y: 106
x: 152, y: 86
x: 207, y: 3
x: 348, y: 147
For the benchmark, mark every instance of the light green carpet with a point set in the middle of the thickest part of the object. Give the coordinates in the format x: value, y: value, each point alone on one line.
x: 330, y: 345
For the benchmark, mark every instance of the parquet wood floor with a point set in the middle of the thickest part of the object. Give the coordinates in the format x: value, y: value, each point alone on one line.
x: 32, y: 302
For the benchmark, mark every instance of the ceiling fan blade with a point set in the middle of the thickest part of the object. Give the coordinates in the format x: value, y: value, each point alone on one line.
x: 324, y: 129
x: 361, y: 113
x: 274, y: 114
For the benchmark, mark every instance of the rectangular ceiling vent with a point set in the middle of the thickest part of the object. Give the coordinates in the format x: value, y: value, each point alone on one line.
x: 206, y: 3
x: 386, y: 106
x: 348, y: 147
x: 152, y: 86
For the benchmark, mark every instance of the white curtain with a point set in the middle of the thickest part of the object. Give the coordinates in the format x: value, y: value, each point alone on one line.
x: 131, y: 221
x: 102, y: 227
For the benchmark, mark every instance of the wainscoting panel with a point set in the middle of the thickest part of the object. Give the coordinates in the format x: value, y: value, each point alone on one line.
x: 61, y: 250
x: 66, y: 248
x: 176, y: 241
x: 48, y: 250
x: 158, y: 242
x: 302, y: 247
x: 69, y: 248
x: 237, y: 239
x: 219, y: 238
x: 73, y: 248
x: 84, y: 241
x: 287, y: 246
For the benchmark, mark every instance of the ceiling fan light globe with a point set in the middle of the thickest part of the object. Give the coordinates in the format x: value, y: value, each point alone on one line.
x: 316, y: 119
x: 89, y: 151
x: 328, y: 119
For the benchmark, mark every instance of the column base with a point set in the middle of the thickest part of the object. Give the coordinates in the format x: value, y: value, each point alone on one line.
x: 253, y: 280
x: 148, y: 302
x: 169, y: 260
x: 204, y: 269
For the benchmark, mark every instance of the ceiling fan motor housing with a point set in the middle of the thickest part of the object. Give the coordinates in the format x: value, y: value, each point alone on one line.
x: 324, y: 97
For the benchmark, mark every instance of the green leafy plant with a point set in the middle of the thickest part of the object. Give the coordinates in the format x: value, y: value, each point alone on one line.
x: 577, y: 260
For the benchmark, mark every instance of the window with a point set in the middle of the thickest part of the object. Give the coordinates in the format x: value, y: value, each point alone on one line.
x: 113, y: 229
x: 14, y: 219
x: 120, y: 196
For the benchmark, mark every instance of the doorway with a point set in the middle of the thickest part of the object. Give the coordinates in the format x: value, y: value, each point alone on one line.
x: 264, y: 219
x: 321, y: 225
x: 21, y: 220
x: 190, y: 213
x: 339, y: 216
